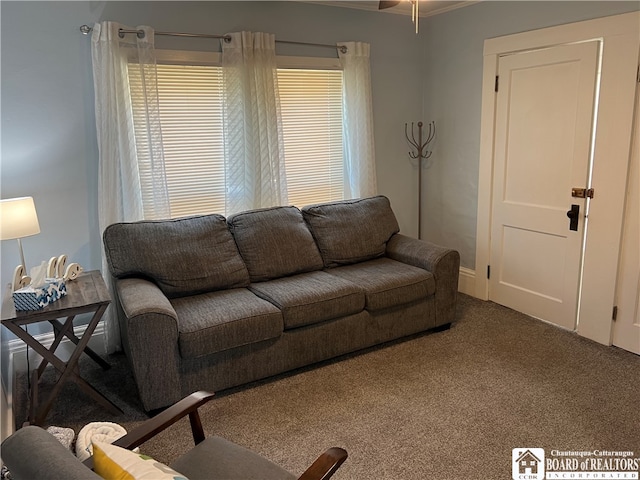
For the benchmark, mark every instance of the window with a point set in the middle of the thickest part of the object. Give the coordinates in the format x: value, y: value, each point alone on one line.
x: 311, y: 107
x: 190, y: 102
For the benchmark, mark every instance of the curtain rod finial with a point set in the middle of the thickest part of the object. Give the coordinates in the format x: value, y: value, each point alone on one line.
x: 86, y: 29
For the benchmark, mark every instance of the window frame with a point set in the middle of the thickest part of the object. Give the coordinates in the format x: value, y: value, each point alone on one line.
x: 198, y: 57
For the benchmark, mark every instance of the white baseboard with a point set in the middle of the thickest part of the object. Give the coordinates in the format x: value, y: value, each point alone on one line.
x: 467, y: 281
x: 6, y: 405
x: 18, y: 349
x: 18, y: 364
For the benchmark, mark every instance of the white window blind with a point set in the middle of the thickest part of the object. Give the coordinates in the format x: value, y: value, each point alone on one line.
x: 190, y: 98
x: 311, y: 106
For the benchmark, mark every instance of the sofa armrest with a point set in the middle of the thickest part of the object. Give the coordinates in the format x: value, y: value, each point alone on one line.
x: 140, y: 297
x: 151, y: 332
x: 442, y: 262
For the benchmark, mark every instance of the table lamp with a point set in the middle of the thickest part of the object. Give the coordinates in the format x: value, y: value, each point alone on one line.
x: 18, y: 219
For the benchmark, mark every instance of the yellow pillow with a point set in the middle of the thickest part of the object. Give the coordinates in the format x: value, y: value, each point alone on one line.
x: 117, y: 463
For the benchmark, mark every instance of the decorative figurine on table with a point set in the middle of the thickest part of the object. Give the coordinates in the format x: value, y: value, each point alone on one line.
x: 45, y: 284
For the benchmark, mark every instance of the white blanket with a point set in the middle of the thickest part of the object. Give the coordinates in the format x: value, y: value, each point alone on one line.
x: 107, y: 432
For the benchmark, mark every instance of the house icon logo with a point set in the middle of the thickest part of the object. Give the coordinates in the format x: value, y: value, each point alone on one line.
x: 527, y: 463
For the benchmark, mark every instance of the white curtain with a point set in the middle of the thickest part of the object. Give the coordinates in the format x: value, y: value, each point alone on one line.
x: 359, y: 150
x: 120, y: 145
x: 254, y: 148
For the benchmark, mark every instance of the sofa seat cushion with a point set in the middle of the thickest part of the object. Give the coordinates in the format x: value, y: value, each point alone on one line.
x: 351, y: 231
x: 218, y: 321
x: 184, y: 256
x: 274, y: 242
x: 311, y: 297
x: 387, y: 282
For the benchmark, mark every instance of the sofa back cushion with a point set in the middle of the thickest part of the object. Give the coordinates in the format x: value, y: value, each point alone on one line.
x: 351, y: 231
x: 183, y: 256
x: 274, y: 242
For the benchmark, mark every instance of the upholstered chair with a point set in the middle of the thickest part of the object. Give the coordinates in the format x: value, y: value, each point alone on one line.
x: 33, y: 453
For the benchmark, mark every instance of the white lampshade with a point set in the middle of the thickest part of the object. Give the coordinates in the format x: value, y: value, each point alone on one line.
x: 18, y: 218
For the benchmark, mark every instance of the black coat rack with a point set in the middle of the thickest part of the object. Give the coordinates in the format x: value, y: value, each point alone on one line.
x: 420, y: 153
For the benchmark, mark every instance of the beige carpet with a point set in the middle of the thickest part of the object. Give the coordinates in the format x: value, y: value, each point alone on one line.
x: 449, y: 405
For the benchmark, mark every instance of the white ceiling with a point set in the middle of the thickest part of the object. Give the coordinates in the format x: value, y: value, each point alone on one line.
x: 427, y: 8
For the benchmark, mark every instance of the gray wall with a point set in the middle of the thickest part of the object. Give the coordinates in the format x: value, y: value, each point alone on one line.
x: 49, y: 148
x: 47, y: 121
x: 48, y: 128
x: 452, y: 97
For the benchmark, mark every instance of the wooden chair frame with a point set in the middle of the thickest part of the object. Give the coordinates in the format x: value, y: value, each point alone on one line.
x: 322, y: 468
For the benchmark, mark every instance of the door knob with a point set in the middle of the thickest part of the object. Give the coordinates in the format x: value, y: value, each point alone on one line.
x: 574, y: 215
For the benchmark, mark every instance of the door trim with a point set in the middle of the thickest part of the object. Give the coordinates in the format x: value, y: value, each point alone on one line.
x: 621, y: 42
x: 626, y: 331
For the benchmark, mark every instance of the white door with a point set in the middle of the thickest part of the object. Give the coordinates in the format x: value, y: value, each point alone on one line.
x: 544, y: 118
x: 626, y: 330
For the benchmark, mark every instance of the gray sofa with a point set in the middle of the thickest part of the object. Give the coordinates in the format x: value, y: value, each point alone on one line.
x: 210, y: 303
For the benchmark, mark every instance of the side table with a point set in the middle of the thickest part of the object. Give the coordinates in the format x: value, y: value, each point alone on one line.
x: 87, y: 294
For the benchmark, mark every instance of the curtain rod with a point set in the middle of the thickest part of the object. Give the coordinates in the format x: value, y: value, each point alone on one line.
x: 86, y: 29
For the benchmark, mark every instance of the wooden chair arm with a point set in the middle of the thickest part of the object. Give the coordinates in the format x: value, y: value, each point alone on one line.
x: 322, y: 469
x: 325, y: 465
x: 150, y: 428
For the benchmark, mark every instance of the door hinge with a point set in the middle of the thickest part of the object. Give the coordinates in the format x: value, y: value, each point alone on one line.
x: 496, y: 85
x: 488, y: 271
x: 614, y: 315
